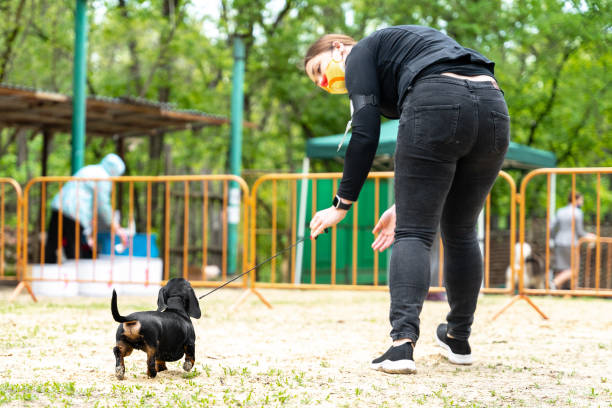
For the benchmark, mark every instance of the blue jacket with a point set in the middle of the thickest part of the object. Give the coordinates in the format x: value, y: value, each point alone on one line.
x: 77, y: 197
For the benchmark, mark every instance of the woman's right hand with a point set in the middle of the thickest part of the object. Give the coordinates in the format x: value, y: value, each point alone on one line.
x: 385, y: 228
x: 122, y: 233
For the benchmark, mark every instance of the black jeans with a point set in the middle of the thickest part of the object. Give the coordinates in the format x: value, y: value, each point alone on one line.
x: 69, y: 227
x: 452, y: 138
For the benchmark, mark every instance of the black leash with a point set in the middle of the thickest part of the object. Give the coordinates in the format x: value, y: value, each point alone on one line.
x: 258, y: 265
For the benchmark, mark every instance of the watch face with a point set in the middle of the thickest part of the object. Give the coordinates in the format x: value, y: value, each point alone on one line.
x: 339, y: 204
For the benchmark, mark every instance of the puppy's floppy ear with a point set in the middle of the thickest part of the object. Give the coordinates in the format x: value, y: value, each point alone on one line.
x: 162, y: 297
x: 193, y: 306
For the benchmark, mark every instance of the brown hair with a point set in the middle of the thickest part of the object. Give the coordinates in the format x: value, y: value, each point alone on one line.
x: 577, y: 196
x: 325, y: 44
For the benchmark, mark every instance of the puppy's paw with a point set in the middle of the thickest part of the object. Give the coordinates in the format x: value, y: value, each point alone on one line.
x: 120, y: 372
x: 187, y: 365
x: 151, y: 373
x: 160, y: 366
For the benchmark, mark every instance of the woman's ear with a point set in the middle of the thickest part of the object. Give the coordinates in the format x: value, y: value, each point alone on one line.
x: 337, y: 51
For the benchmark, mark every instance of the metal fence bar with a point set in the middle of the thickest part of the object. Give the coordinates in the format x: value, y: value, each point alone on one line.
x: 2, y: 231
x: 185, y: 229
x: 376, y: 219
x: 16, y: 236
x: 293, y: 228
x: 588, y: 244
x: 43, y: 189
x: 598, y: 234
x: 167, y: 232
x: 355, y: 256
x: 573, y: 257
x: 204, y: 229
x: 579, y: 286
x: 133, y: 277
x: 148, y: 229
x: 487, y: 244
x: 225, y: 231
x: 274, y: 232
x: 547, y: 244
x: 334, y: 239
x: 575, y: 262
x: 313, y: 253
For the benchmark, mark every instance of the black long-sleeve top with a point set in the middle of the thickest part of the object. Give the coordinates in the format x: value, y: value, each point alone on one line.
x: 379, y: 72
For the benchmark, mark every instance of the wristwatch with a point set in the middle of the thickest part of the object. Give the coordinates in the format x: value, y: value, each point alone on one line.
x: 340, y: 205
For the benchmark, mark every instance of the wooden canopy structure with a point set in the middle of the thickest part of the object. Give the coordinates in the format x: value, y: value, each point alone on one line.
x: 50, y: 112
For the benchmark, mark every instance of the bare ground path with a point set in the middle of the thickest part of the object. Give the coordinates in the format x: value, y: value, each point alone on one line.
x: 312, y: 349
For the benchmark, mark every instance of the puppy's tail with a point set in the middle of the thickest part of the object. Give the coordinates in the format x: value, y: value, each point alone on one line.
x: 115, y: 311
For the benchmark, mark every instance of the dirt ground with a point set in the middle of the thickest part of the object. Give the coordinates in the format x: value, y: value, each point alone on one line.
x: 312, y: 349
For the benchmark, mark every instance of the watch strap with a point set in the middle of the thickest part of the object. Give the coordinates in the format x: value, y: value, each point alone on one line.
x: 340, y: 205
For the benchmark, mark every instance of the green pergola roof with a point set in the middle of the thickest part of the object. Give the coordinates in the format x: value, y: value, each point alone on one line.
x: 518, y: 156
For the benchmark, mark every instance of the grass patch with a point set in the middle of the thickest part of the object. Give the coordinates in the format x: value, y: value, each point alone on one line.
x: 32, y: 391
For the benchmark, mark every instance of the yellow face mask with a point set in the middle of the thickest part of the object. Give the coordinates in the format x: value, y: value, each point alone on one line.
x: 333, y: 78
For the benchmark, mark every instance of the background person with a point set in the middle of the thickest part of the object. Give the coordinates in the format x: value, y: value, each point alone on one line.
x: 453, y: 134
x: 77, y: 203
x: 561, y: 234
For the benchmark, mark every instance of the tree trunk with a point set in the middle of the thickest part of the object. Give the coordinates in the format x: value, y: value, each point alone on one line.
x: 11, y: 36
x: 135, y: 75
x: 22, y: 147
x: 47, y: 136
x: 11, y: 139
x: 46, y: 148
x: 169, y: 9
x: 552, y: 97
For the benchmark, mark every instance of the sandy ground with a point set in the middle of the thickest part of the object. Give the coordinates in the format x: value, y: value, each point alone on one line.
x: 311, y: 349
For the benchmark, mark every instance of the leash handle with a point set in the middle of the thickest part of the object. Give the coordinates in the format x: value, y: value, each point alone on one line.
x: 258, y: 265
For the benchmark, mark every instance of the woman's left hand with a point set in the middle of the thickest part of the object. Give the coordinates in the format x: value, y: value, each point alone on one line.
x: 325, y: 219
x: 385, y: 228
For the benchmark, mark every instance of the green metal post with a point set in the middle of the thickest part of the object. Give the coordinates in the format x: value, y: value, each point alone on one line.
x: 235, y: 152
x: 78, y: 85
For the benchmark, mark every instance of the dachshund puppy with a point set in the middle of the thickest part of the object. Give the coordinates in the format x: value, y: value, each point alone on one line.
x: 165, y: 334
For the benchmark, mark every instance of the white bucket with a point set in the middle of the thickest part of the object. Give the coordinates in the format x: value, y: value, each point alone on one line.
x: 141, y: 270
x: 63, y: 283
x: 98, y: 271
x: 121, y: 269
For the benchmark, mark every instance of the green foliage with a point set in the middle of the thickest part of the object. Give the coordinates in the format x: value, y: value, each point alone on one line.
x: 553, y: 61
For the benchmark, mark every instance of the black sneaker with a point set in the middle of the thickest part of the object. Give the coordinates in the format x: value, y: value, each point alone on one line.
x: 457, y: 351
x: 396, y: 360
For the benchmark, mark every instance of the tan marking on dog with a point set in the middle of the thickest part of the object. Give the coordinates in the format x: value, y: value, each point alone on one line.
x: 151, y: 351
x: 125, y: 348
x: 151, y: 365
x: 131, y: 330
x: 160, y: 365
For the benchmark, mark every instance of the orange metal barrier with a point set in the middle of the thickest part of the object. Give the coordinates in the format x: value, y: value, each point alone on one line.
x: 523, y: 198
x: 595, y: 185
x: 289, y: 212
x: 599, y: 277
x: 512, y: 234
x: 191, y: 212
x: 187, y: 210
x: 274, y: 216
x: 10, y: 225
